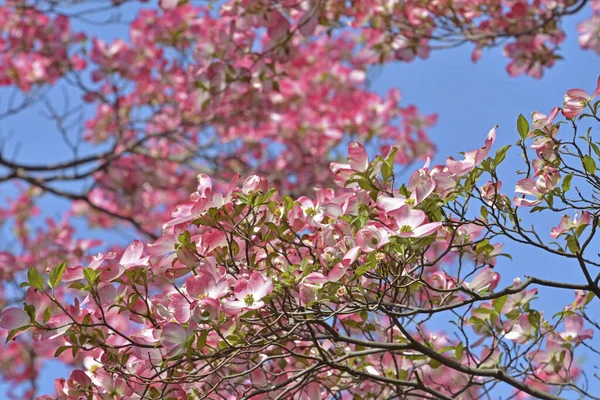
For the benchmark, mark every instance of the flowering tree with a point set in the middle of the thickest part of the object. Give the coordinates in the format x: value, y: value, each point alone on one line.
x: 267, y: 288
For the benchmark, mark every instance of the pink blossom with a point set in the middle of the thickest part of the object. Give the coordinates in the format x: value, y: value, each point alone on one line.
x: 249, y: 294
x: 486, y: 279
x: 544, y: 122
x: 205, y: 285
x: 357, y: 157
x: 412, y: 223
x: 13, y: 318
x: 310, y: 287
x: 174, y: 338
x: 132, y: 257
x: 519, y: 331
x: 547, y: 180
x: 114, y: 385
x: 517, y: 300
x: 574, y: 330
x: 566, y: 224
x: 472, y: 158
x: 589, y: 33
x: 577, y: 99
x: 372, y: 237
x: 421, y: 184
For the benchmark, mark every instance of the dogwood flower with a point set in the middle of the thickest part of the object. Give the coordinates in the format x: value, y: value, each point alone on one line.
x: 372, y: 237
x: 249, y: 294
x: 472, y: 158
x: 577, y: 99
x: 13, y: 318
x: 574, y: 332
x: 487, y: 278
x: 412, y: 223
x: 566, y: 224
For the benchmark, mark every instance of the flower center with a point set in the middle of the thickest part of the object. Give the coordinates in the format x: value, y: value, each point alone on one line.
x: 249, y: 300
x: 310, y: 211
x: 406, y: 229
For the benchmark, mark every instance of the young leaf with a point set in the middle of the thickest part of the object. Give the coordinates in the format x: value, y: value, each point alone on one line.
x: 56, y: 275
x: 589, y: 164
x: 35, y: 278
x: 522, y: 126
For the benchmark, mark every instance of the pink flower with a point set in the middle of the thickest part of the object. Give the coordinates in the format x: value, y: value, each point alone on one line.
x: 312, y: 391
x: 547, y: 180
x: 340, y: 268
x: 76, y: 386
x: 574, y: 332
x: 520, y: 331
x: 372, y: 237
x: 13, y: 318
x: 110, y: 383
x: 168, y: 4
x: 581, y: 299
x: 589, y: 33
x: 205, y: 285
x: 174, y: 338
x: 249, y: 294
x: 489, y: 193
x: 411, y: 223
x: 358, y: 161
x: 421, y: 184
x: 207, y: 291
x: 576, y: 100
x: 542, y: 121
x: 314, y: 212
x: 472, y: 158
x: 486, y: 257
x: 357, y: 157
x: 485, y: 279
x: 132, y: 257
x: 388, y: 204
x: 519, y: 299
x: 566, y: 224
x: 311, y: 286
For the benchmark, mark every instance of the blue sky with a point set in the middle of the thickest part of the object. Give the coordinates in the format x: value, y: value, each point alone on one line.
x: 470, y: 99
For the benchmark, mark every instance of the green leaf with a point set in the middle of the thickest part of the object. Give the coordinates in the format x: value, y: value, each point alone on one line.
x: 56, y: 275
x: 534, y: 318
x: 595, y: 148
x: 589, y: 164
x: 572, y: 244
x: 61, y: 350
x: 513, y: 314
x: 501, y: 155
x: 522, y: 126
x: 499, y: 303
x: 77, y: 285
x: 366, y: 267
x: 35, y: 278
x: 566, y: 183
x: 91, y: 275
x: 30, y: 310
x: 47, y: 315
x: 458, y: 351
x: 386, y: 170
x: 14, y: 332
x: 202, y: 339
